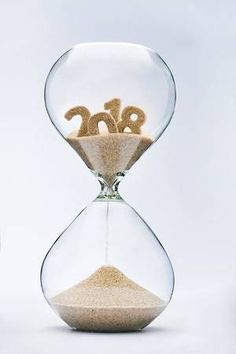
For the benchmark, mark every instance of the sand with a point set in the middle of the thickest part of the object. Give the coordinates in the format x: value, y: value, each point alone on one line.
x: 107, y: 301
x: 109, y: 154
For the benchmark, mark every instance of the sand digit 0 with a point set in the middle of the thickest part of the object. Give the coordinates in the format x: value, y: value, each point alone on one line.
x: 101, y: 117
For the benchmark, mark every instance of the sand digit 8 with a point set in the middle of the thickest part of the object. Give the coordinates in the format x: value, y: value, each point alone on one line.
x: 127, y: 122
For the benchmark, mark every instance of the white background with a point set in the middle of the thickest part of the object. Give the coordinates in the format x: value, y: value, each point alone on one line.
x: 184, y: 186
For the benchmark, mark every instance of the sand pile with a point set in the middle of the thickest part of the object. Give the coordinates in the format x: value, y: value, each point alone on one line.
x: 109, y: 154
x: 107, y: 301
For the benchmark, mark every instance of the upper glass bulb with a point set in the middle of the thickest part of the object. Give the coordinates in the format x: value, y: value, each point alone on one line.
x: 110, y: 101
x: 94, y: 73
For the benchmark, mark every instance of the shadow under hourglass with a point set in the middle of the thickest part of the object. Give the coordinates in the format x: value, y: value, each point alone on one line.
x: 146, y: 331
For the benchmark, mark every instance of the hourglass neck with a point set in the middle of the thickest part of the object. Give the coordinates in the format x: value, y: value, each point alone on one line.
x: 109, y: 191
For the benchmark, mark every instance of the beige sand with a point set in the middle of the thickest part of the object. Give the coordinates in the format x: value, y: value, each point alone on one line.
x: 110, y: 153
x: 107, y: 301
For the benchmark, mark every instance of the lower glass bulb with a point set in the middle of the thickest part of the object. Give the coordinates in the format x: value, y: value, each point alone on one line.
x: 107, y: 271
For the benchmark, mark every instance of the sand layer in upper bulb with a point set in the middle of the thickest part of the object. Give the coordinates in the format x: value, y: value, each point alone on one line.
x: 107, y: 301
x: 108, y: 154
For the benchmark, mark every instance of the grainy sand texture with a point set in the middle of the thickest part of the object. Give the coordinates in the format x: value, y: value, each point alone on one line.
x: 107, y: 301
x: 109, y: 154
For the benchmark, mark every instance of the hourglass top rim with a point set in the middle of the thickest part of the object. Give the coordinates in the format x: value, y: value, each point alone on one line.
x: 110, y: 43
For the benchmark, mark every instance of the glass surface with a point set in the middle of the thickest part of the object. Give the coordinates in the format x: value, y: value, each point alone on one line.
x: 108, y: 271
x: 93, y: 73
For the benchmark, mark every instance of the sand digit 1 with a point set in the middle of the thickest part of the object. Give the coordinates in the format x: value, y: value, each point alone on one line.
x: 114, y: 107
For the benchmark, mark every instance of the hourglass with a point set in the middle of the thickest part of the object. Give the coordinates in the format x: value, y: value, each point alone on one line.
x: 108, y: 271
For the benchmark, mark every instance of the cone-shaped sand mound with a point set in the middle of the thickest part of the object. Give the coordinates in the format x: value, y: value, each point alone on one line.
x: 108, y: 301
x: 109, y: 154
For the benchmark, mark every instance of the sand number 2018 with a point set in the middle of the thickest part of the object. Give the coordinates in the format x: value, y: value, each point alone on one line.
x: 130, y: 120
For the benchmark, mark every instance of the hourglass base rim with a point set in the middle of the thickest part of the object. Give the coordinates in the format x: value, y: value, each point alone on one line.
x: 110, y: 319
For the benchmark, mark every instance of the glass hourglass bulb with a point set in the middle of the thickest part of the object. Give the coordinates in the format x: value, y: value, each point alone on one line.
x: 108, y: 271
